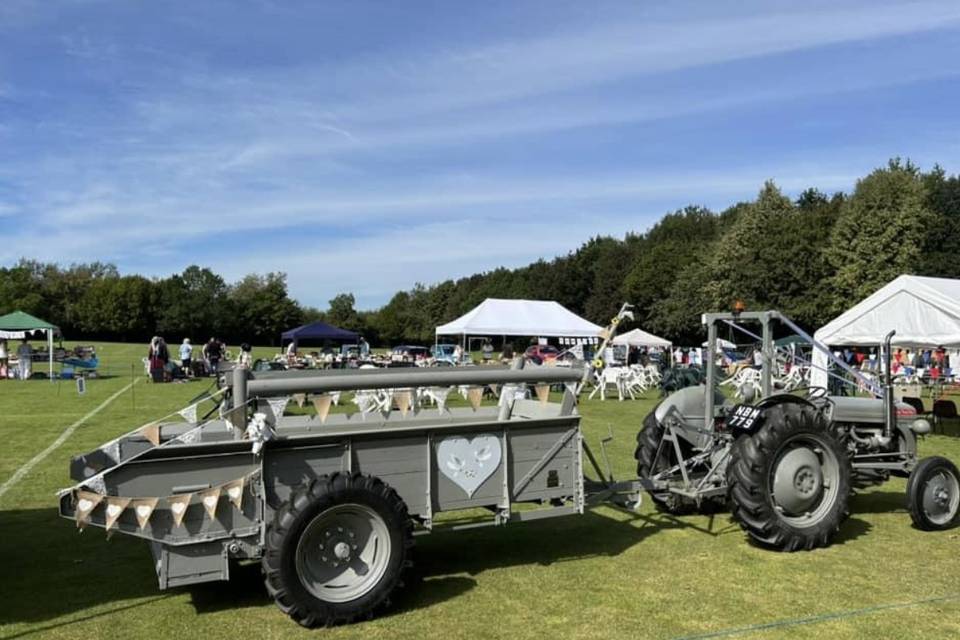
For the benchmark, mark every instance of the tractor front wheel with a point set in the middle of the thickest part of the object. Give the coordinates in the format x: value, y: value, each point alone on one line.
x: 789, y: 483
x: 933, y: 494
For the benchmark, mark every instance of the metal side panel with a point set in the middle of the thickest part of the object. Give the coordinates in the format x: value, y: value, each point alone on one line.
x: 190, y: 564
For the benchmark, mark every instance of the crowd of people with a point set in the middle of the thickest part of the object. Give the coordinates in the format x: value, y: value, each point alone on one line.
x: 24, y: 368
x: 163, y: 367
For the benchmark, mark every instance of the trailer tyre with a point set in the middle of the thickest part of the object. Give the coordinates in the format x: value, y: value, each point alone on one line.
x: 789, y: 483
x: 933, y: 494
x: 337, y: 550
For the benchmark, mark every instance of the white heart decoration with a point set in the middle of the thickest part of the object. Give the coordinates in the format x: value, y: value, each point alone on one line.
x: 84, y: 504
x: 113, y: 510
x: 210, y: 501
x: 143, y: 510
x: 469, y: 463
x: 234, y: 492
x: 178, y: 507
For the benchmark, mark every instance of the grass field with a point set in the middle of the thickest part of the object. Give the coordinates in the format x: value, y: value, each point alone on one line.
x: 607, y: 574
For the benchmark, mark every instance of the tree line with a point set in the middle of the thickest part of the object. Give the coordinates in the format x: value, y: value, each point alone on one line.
x: 811, y: 257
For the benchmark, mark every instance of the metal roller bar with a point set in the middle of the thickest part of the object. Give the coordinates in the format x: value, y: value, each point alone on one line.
x: 405, y: 378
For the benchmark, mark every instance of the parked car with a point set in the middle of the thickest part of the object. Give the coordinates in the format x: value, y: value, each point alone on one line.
x: 444, y: 354
x: 541, y: 352
x: 412, y: 352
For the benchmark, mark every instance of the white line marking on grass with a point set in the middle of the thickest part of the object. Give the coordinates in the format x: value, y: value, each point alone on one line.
x: 25, y: 469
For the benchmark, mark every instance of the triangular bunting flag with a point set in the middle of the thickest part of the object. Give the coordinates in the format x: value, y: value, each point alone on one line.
x: 143, y: 509
x: 402, y: 398
x: 322, y: 404
x: 300, y: 399
x: 495, y: 388
x: 230, y: 416
x: 152, y: 433
x: 86, y: 503
x: 475, y: 395
x: 440, y: 395
x: 115, y: 507
x: 178, y: 506
x: 234, y: 491
x: 278, y: 406
x: 543, y: 393
x: 189, y: 413
x: 210, y: 499
x: 335, y: 396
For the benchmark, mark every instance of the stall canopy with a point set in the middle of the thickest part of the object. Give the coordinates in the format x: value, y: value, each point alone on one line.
x: 19, y: 325
x: 640, y: 338
x: 925, y: 312
x: 319, y: 331
x: 497, y: 317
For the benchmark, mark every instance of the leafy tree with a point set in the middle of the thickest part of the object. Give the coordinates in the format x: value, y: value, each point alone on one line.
x: 342, y: 313
x: 262, y: 308
x: 880, y: 233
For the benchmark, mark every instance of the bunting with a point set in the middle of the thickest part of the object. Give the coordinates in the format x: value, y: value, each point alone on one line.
x: 143, y: 509
x: 543, y: 393
x: 475, y: 395
x: 300, y: 399
x: 115, y: 507
x: 278, y: 406
x: 234, y: 491
x: 495, y: 389
x: 178, y: 507
x: 440, y: 396
x: 189, y: 413
x: 87, y: 501
x: 152, y: 433
x: 210, y: 499
x: 403, y: 400
x: 322, y: 405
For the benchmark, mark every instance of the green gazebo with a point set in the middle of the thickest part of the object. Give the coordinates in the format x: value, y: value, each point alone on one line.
x: 19, y: 325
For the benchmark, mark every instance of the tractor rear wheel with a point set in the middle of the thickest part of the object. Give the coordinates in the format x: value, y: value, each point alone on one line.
x: 337, y: 549
x: 933, y: 494
x: 789, y: 483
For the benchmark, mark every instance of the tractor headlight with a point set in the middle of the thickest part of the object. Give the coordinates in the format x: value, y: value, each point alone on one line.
x: 921, y: 426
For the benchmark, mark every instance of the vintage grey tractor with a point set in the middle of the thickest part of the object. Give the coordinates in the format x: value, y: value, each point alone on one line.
x: 787, y: 463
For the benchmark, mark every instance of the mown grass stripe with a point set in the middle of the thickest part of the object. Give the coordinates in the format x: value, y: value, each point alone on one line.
x: 826, y: 617
x: 26, y: 468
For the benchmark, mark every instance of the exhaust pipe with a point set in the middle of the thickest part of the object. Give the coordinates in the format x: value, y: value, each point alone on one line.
x: 890, y: 413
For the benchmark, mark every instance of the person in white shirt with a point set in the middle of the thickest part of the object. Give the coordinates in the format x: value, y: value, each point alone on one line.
x: 186, y: 355
x: 245, y: 359
x: 25, y: 360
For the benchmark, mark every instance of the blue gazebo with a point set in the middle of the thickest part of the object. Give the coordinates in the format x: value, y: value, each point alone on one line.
x: 320, y: 331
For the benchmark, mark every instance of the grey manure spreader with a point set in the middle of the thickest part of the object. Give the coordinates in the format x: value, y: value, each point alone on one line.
x: 329, y: 503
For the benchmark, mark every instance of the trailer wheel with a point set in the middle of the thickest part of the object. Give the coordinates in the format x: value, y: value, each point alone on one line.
x: 337, y: 549
x: 648, y: 465
x: 789, y: 483
x: 933, y: 494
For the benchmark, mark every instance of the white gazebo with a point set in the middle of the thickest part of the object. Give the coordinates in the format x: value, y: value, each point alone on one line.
x: 640, y: 338
x: 924, y: 312
x: 540, y: 318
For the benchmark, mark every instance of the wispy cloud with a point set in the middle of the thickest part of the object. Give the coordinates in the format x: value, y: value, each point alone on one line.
x: 140, y: 145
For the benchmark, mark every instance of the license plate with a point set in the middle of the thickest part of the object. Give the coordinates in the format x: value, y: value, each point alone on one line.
x: 744, y: 417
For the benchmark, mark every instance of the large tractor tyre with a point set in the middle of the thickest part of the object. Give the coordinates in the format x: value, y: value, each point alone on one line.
x: 933, y: 494
x: 789, y: 483
x: 648, y: 465
x: 337, y: 550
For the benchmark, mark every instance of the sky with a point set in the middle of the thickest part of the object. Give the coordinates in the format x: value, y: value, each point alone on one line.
x: 366, y: 146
